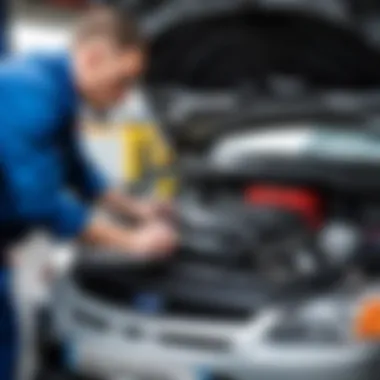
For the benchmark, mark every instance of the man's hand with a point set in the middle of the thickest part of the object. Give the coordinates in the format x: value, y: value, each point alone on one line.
x: 144, y: 210
x: 149, y: 210
x: 155, y: 240
x: 151, y: 241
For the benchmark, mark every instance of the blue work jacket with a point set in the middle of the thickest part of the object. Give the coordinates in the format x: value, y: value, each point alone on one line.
x: 45, y: 179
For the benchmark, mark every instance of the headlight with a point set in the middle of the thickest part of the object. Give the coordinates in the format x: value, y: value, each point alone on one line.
x: 322, y: 322
x: 330, y: 321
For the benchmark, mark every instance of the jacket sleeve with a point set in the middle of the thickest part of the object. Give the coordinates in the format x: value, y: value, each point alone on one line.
x: 30, y: 177
x: 36, y: 197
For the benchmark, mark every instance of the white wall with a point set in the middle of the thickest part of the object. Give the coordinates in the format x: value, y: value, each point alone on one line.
x: 28, y: 35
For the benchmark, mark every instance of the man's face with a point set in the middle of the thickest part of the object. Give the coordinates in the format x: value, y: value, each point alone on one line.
x: 106, y: 71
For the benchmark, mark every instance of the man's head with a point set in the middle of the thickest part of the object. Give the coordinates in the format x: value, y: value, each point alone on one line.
x: 109, y: 56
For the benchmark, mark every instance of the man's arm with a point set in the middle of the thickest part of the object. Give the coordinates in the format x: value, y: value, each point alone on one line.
x: 32, y: 185
x: 36, y: 197
x: 37, y: 203
x: 117, y: 201
x: 150, y: 241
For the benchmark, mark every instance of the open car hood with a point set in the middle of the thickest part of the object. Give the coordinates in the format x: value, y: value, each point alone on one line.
x: 229, y: 43
x: 255, y: 51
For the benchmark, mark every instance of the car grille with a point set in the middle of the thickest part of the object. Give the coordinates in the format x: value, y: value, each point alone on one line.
x: 182, y: 293
x: 196, y: 309
x: 200, y: 342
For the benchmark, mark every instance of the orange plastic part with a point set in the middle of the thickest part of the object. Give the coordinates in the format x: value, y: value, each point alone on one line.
x: 367, y: 323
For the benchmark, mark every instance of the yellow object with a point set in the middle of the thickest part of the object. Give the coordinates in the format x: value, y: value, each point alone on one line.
x: 144, y: 159
x: 134, y: 140
x: 147, y: 152
x: 367, y: 323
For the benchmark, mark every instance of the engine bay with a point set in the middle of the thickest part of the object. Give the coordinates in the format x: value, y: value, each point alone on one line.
x: 280, y: 243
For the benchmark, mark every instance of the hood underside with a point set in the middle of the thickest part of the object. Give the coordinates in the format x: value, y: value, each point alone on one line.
x: 222, y: 65
x: 251, y: 49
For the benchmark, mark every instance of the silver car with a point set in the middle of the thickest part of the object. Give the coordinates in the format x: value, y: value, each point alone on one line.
x: 220, y: 309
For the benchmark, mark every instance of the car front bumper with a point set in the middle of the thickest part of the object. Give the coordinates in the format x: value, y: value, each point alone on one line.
x: 107, y: 343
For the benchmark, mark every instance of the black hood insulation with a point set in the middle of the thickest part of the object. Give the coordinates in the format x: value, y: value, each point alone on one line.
x: 222, y: 65
x: 250, y: 48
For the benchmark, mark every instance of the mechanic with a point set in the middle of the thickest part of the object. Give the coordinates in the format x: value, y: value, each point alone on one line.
x: 46, y: 182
